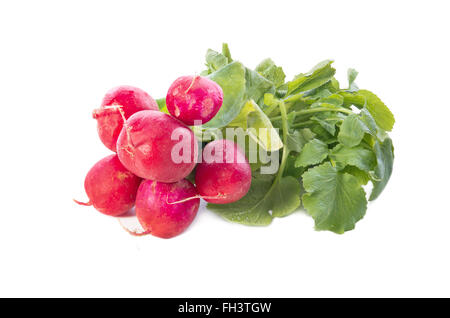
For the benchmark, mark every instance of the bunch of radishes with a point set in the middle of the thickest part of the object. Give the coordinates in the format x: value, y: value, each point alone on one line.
x: 144, y: 173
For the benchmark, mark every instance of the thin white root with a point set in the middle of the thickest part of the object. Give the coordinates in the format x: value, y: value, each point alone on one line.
x: 192, y: 84
x: 197, y: 197
x: 122, y: 113
x: 133, y: 232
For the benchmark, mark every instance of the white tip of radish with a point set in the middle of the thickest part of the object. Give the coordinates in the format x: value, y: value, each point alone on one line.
x: 130, y: 223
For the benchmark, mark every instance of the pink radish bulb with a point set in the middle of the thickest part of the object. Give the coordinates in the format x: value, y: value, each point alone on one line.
x: 109, y: 117
x: 224, y: 175
x: 110, y: 187
x: 153, y: 145
x: 194, y: 99
x: 159, y: 210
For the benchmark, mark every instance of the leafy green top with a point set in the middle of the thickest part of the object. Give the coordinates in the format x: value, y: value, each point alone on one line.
x: 328, y: 151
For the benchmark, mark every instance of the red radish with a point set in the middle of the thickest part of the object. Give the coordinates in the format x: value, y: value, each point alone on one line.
x: 109, y: 116
x: 224, y: 175
x: 153, y: 145
x: 194, y: 99
x: 110, y: 187
x: 159, y: 210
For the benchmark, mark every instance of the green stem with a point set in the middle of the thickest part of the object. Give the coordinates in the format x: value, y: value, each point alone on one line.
x: 285, y: 135
x: 285, y: 148
x: 296, y: 97
x: 271, y: 108
x: 285, y: 154
x: 311, y: 122
x: 317, y: 110
x: 303, y: 123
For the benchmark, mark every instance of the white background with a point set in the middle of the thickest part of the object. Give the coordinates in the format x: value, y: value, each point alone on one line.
x: 58, y: 58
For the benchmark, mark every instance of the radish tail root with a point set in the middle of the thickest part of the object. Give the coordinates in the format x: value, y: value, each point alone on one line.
x: 192, y: 83
x: 134, y: 233
x: 89, y: 203
x: 197, y: 197
x: 130, y: 143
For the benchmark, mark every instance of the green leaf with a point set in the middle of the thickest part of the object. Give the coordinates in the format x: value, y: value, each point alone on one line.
x: 162, y: 105
x: 261, y: 130
x: 369, y: 124
x: 258, y: 126
x: 270, y: 100
x: 384, y: 152
x: 290, y: 118
x: 379, y: 111
x: 318, y: 93
x: 335, y: 100
x: 326, y: 123
x: 215, y: 60
x: 362, y: 176
x: 285, y: 197
x: 352, y: 98
x: 333, y: 85
x: 232, y: 80
x: 329, y: 88
x: 355, y: 126
x: 207, y: 134
x: 297, y: 102
x: 307, y: 134
x: 351, y: 75
x: 256, y: 86
x: 297, y: 139
x: 291, y: 169
x: 323, y: 134
x: 353, y: 129
x: 273, y: 73
x: 382, y: 115
x: 252, y: 152
x: 319, y: 75
x: 294, y: 141
x: 334, y: 199
x: 313, y: 152
x: 327, y: 100
x: 226, y: 52
x: 357, y: 156
x: 254, y: 209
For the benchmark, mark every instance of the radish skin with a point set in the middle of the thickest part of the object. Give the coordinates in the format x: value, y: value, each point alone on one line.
x: 145, y: 146
x: 194, y: 100
x: 110, y: 187
x: 158, y: 214
x: 119, y: 103
x: 226, y: 176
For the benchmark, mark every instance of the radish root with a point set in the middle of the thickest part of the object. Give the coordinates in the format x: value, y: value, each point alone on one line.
x: 134, y: 233
x: 192, y: 83
x: 119, y: 108
x: 197, y: 197
x: 89, y: 203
